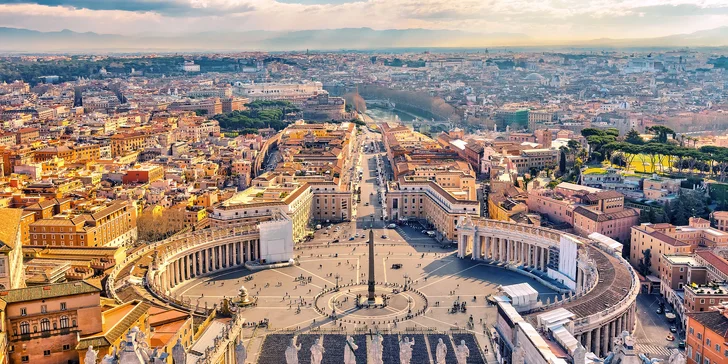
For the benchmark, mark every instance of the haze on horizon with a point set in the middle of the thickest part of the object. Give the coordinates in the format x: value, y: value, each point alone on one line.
x: 547, y: 21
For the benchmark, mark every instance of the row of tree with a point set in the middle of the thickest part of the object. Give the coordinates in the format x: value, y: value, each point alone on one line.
x: 663, y: 151
x: 259, y: 115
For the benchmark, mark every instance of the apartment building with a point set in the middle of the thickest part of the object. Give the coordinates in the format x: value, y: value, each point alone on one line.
x: 604, y: 212
x: 707, y: 337
x: 421, y: 197
x: 146, y: 173
x: 107, y: 224
x: 269, y: 194
x: 43, y: 323
x: 667, y: 239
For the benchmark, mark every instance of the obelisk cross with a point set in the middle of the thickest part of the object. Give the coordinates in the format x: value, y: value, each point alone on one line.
x: 371, y: 265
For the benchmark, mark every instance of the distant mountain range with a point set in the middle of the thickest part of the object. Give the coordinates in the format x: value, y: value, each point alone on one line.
x: 24, y: 40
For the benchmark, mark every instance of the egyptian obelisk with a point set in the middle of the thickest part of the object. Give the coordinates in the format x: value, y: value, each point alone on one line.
x: 371, y: 266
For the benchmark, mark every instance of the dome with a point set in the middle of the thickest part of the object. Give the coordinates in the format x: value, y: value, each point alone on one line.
x: 533, y: 77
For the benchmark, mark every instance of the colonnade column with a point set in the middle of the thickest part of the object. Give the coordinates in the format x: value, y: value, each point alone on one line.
x: 501, y: 242
x: 461, y: 245
x: 597, y: 341
x: 587, y: 345
x: 544, y: 258
x: 493, y: 246
x: 476, y: 246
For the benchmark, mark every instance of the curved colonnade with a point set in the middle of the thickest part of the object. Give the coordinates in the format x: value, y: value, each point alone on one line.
x: 205, y: 252
x: 605, y: 286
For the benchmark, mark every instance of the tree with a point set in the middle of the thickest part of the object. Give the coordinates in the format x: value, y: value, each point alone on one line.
x: 633, y: 137
x: 661, y: 132
x: 152, y: 227
x: 645, y: 262
x: 562, y: 160
x: 598, y: 138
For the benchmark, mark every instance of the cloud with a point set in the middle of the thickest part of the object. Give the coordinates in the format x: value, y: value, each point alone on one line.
x: 541, y: 19
x: 165, y: 7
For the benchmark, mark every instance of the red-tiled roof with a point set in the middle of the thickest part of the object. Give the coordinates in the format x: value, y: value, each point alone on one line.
x: 714, y: 260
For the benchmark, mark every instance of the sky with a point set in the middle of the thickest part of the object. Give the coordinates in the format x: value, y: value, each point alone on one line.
x: 543, y: 20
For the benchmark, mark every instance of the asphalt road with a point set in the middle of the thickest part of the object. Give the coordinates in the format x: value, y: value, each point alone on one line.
x: 652, y: 329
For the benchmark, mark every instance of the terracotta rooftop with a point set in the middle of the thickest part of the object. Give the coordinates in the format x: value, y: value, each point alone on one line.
x: 713, y: 259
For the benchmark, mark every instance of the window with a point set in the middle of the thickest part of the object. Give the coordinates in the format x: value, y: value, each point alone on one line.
x: 700, y: 336
x: 66, y: 347
x: 707, y: 342
x: 24, y: 358
x: 45, y: 325
x: 48, y: 353
x: 43, y: 309
x: 24, y: 327
x: 717, y: 347
x: 23, y: 311
x: 63, y: 306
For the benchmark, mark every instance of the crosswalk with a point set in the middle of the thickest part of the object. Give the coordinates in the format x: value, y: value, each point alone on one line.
x: 654, y: 350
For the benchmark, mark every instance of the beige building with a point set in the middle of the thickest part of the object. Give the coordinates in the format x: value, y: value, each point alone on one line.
x: 667, y: 239
x: 111, y: 224
x: 423, y: 198
x: 721, y: 220
x: 12, y: 273
x: 270, y: 194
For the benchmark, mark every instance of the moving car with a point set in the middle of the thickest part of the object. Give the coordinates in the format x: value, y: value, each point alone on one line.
x: 670, y: 337
x: 396, y: 266
x: 673, y: 329
x: 391, y: 226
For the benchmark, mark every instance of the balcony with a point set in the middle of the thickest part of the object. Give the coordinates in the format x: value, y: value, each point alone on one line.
x: 44, y: 334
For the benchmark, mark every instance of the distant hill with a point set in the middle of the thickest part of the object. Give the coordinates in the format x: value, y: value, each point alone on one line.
x: 24, y: 40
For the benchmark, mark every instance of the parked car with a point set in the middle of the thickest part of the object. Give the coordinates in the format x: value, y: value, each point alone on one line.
x: 673, y: 329
x: 670, y: 337
x: 681, y: 345
x: 335, y: 241
x: 384, y: 236
x: 351, y: 238
x: 396, y: 266
x: 391, y: 226
x: 659, y: 311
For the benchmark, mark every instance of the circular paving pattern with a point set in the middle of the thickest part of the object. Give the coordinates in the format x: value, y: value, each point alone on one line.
x: 401, y: 304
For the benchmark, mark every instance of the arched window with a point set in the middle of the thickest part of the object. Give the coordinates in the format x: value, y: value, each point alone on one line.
x: 45, y: 325
x: 64, y: 322
x: 24, y: 327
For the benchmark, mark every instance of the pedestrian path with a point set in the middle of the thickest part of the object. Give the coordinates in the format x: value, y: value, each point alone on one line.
x: 653, y: 350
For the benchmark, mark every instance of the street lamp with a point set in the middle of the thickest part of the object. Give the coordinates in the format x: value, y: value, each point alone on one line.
x: 337, y: 280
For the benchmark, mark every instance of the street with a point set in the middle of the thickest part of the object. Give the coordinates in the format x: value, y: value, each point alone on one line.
x: 652, y: 329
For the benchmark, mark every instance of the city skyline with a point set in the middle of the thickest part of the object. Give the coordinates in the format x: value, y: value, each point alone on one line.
x: 534, y: 22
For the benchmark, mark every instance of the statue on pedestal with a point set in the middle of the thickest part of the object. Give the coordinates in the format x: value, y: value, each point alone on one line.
x: 462, y: 352
x: 375, y: 352
x: 441, y: 352
x: 292, y: 352
x: 110, y: 358
x: 349, y: 356
x: 240, y: 353
x: 91, y: 355
x: 317, y: 352
x: 405, y: 350
x: 178, y: 353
